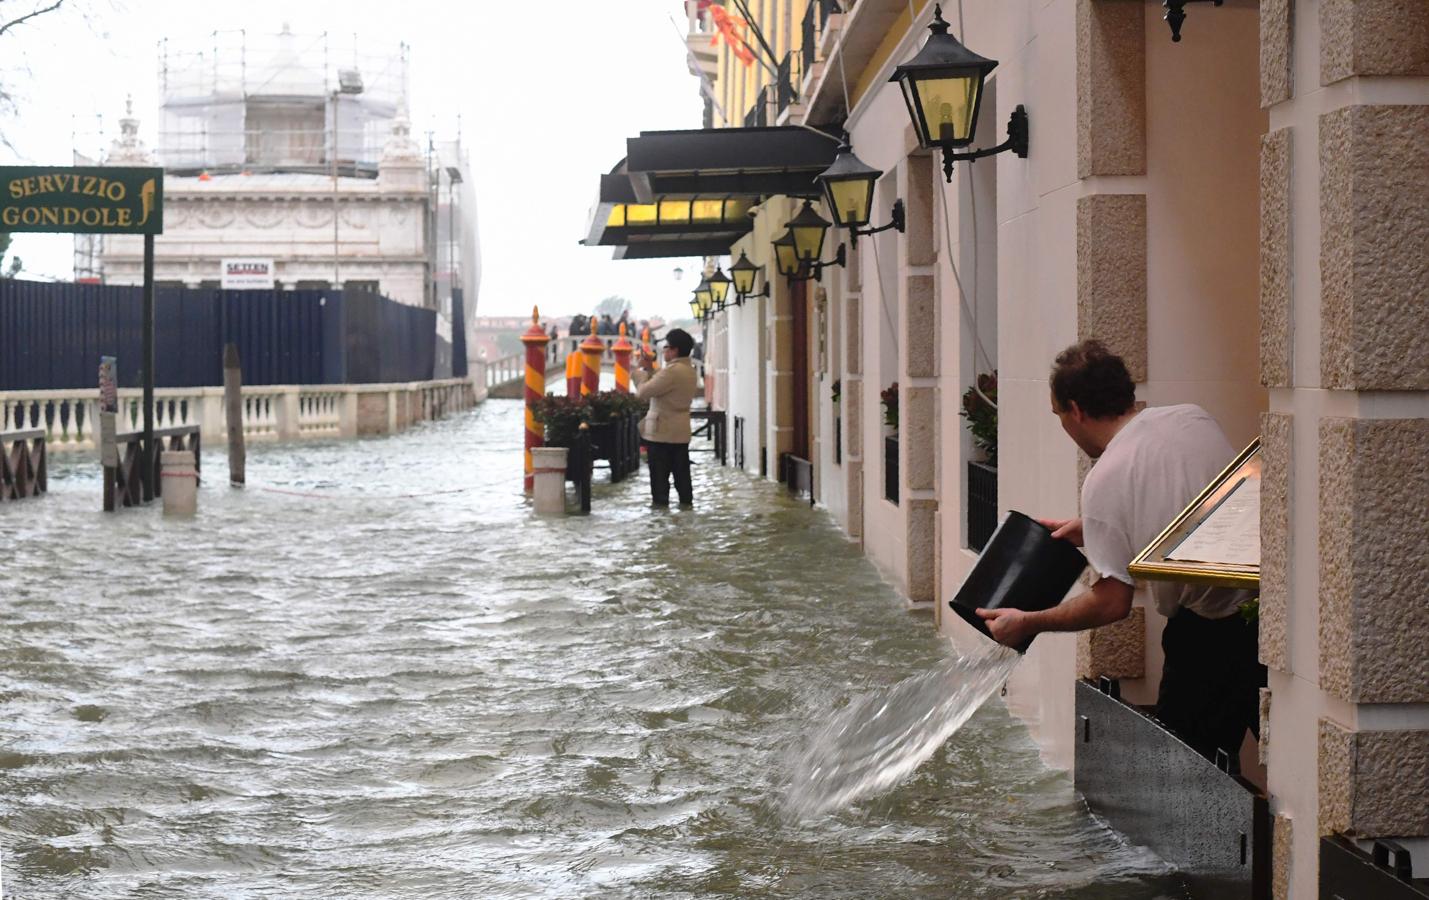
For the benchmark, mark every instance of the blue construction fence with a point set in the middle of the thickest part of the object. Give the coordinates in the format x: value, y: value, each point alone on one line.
x: 53, y: 334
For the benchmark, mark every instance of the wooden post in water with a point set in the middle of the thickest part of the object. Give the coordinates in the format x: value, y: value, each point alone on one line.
x: 233, y: 413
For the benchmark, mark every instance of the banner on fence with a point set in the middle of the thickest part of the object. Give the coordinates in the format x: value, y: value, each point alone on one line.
x: 108, y: 411
x: 81, y: 200
x: 247, y: 275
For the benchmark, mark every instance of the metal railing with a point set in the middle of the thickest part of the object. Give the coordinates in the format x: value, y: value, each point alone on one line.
x: 24, y: 470
x: 784, y: 91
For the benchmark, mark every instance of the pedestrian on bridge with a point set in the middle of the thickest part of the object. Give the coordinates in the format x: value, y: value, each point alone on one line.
x: 666, y: 427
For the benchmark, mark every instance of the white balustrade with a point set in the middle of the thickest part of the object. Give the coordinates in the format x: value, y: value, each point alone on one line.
x: 270, y: 412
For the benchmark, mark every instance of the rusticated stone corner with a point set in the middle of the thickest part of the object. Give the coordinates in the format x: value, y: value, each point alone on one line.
x: 1373, y: 783
x: 918, y: 424
x: 1275, y: 539
x: 920, y: 244
x: 853, y: 335
x: 921, y: 327
x: 1276, y: 341
x: 1282, y: 839
x: 1111, y: 88
x: 1374, y: 248
x: 852, y: 404
x: 1372, y: 37
x: 1275, y: 50
x: 922, y: 550
x: 1374, y: 514
x: 1117, y: 650
x: 1111, y: 275
x: 853, y: 272
x: 853, y: 468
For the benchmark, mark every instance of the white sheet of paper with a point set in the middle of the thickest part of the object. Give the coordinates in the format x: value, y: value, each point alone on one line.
x: 1230, y: 534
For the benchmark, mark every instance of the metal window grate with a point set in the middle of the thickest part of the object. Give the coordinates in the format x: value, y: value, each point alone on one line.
x: 982, y: 504
x: 890, y: 469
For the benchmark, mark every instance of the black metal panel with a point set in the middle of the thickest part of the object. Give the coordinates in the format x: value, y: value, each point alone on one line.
x: 729, y: 150
x: 666, y: 249
x: 1349, y: 873
x: 890, y: 469
x: 53, y: 334
x: 1213, y: 826
x: 982, y: 504
x: 679, y: 185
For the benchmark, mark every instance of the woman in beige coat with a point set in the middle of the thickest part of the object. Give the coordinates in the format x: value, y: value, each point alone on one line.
x: 666, y: 427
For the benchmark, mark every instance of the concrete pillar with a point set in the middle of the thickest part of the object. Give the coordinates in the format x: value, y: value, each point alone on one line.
x: 549, y: 475
x: 287, y: 412
x: 180, y: 487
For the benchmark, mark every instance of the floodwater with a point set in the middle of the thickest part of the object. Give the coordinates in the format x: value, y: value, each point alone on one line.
x: 326, y: 687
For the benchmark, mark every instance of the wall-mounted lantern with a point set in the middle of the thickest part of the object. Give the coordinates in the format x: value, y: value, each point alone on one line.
x: 1176, y: 14
x: 704, y: 297
x: 719, y: 288
x: 943, y: 87
x: 848, y: 188
x: 744, y: 273
x: 806, y: 240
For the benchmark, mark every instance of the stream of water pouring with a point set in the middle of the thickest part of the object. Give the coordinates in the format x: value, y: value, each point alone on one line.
x: 882, y: 737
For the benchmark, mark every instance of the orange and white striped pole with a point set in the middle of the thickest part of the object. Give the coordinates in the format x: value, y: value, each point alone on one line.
x: 573, y: 374
x: 622, y: 350
x: 592, y: 348
x: 648, y: 349
x: 535, y: 340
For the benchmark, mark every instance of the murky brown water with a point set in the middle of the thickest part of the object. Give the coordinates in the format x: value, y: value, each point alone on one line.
x: 369, y: 696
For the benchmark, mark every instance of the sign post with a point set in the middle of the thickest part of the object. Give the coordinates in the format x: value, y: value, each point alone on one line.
x: 95, y: 200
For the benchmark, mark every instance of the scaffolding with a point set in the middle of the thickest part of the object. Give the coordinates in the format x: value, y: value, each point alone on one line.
x: 278, y: 103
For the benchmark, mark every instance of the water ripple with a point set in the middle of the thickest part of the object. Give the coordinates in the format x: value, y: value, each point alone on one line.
x: 365, y: 696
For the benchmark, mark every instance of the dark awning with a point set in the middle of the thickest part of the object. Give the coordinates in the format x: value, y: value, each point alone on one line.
x: 689, y: 193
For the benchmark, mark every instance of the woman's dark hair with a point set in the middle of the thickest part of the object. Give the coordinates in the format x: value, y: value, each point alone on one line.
x: 680, y: 339
x: 1093, y: 377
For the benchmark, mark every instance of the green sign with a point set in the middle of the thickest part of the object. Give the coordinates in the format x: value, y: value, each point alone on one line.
x: 82, y: 200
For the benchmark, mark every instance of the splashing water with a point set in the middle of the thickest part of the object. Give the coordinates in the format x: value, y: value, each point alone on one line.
x: 882, y: 737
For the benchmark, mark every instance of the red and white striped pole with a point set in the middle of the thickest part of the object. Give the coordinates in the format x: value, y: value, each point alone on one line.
x: 622, y: 350
x: 535, y: 340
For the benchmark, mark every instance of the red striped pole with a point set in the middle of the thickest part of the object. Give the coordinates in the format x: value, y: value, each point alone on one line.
x: 622, y: 350
x: 592, y: 348
x: 535, y: 340
x: 573, y: 373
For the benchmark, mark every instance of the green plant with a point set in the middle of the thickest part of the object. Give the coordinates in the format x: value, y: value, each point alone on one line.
x: 563, y: 416
x: 980, y: 410
x: 838, y: 391
x: 889, y: 398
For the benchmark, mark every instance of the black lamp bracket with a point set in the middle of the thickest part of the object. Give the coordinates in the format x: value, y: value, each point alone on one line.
x: 1176, y: 15
x: 762, y: 292
x: 898, y: 223
x: 1017, y: 140
x: 815, y: 270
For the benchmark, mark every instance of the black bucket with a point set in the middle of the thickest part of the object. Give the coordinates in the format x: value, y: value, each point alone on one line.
x: 1022, y: 567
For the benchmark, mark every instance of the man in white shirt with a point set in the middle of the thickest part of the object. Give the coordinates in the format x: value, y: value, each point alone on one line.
x: 1150, y: 465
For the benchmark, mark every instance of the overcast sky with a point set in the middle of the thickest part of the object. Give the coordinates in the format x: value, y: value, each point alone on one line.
x: 547, y: 93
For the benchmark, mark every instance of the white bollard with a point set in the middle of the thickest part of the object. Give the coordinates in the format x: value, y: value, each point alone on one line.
x: 548, y: 465
x: 177, y: 469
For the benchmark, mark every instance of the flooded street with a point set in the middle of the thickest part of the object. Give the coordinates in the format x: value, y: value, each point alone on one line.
x: 325, y: 687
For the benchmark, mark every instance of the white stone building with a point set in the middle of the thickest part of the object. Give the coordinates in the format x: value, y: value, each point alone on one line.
x: 273, y: 150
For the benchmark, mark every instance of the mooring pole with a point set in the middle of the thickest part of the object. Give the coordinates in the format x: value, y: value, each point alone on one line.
x: 622, y: 350
x: 535, y: 340
x: 233, y: 413
x: 147, y: 451
x: 592, y: 349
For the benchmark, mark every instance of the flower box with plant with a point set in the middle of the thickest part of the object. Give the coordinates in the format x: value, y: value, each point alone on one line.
x: 980, y: 411
x: 837, y: 391
x: 889, y: 398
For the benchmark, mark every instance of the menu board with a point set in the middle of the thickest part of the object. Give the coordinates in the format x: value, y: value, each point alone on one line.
x: 1215, y: 540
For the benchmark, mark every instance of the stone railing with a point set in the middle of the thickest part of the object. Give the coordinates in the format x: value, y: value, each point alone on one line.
x: 270, y: 412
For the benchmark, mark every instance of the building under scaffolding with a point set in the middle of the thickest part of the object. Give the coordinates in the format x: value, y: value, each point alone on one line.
x: 296, y: 151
